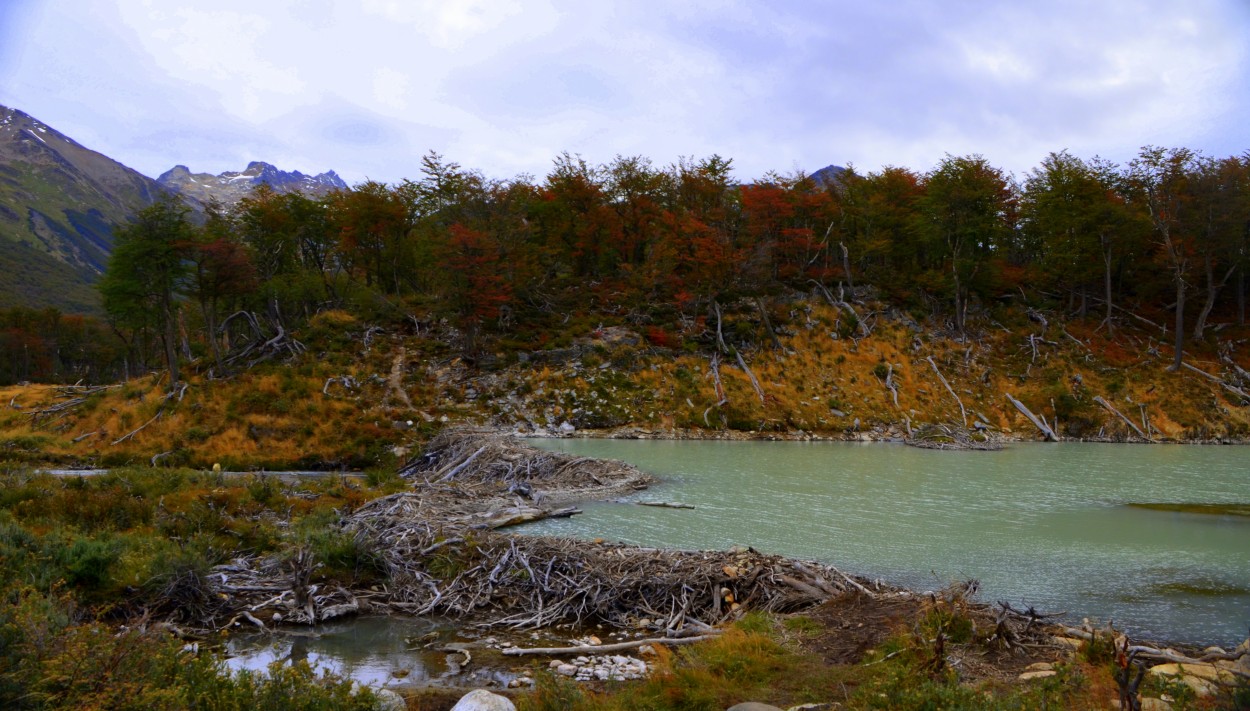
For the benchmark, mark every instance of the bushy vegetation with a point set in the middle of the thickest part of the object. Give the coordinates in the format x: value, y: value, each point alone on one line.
x: 80, y: 556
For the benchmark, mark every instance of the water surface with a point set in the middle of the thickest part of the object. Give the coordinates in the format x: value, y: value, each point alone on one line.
x: 1038, y: 524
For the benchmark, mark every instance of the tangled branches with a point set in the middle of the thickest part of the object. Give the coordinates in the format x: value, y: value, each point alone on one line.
x: 487, y: 462
x: 530, y: 582
x: 946, y: 437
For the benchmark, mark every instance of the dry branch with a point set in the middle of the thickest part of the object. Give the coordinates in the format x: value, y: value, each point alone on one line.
x: 1110, y: 408
x: 615, y: 647
x: 136, y: 431
x: 755, y: 383
x: 962, y: 412
x: 1245, y: 397
x: 1038, y: 423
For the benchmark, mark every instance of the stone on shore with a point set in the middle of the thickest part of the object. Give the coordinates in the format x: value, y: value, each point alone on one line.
x: 482, y: 700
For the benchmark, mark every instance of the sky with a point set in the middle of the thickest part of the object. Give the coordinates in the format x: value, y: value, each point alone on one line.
x: 366, y: 87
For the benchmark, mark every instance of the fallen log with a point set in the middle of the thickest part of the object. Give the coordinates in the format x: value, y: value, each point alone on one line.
x: 1245, y: 397
x: 1108, y: 406
x: 136, y: 431
x: 665, y: 504
x: 962, y: 412
x: 1046, y: 431
x: 616, y: 647
x: 496, y: 520
x: 755, y: 383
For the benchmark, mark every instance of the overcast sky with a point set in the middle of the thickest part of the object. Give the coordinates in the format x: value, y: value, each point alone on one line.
x: 367, y: 86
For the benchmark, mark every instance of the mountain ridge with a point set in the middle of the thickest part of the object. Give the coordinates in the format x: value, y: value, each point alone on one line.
x: 229, y: 187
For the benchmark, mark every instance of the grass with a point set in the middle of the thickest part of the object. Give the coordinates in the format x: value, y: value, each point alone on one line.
x: 752, y: 661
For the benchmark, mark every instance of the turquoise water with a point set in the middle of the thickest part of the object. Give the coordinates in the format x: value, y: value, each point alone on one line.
x: 1038, y: 524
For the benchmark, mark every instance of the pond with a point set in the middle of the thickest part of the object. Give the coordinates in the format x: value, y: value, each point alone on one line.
x: 1048, y: 525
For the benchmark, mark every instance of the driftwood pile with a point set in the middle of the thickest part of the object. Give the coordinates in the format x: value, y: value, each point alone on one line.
x: 528, y: 582
x: 939, y: 436
x: 477, y: 465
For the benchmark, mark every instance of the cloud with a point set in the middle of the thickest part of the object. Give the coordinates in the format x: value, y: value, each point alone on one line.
x: 504, y: 86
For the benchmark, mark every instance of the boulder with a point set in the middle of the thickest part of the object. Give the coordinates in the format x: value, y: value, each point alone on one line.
x: 389, y: 701
x: 752, y: 706
x: 483, y: 700
x: 1150, y: 703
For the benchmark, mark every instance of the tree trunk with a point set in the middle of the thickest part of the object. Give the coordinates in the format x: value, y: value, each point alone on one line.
x: 1180, y: 324
x: 1106, y: 260
x: 1213, y: 291
x: 959, y: 311
x: 1241, y: 296
x: 846, y: 265
x: 171, y: 345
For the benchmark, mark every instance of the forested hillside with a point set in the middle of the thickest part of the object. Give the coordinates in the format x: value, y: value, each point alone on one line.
x: 1109, y: 299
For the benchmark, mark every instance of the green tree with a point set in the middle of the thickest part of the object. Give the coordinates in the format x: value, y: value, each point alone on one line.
x: 147, y: 272
x: 1160, y: 178
x: 963, y: 215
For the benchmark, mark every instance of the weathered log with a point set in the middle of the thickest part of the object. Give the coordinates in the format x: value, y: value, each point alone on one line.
x: 1245, y: 397
x: 1038, y: 423
x: 138, y: 429
x: 962, y: 412
x: 665, y: 504
x: 616, y: 647
x: 755, y: 383
x: 460, y: 467
x: 1110, y: 408
x: 497, y: 519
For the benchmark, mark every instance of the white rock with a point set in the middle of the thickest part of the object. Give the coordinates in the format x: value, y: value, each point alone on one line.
x: 566, y: 670
x: 555, y: 664
x: 482, y: 700
x: 602, y: 674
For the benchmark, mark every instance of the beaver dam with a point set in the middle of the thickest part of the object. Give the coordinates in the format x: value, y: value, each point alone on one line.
x: 446, y: 553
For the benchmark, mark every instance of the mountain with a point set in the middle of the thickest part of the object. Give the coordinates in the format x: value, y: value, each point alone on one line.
x: 828, y: 175
x: 230, y: 187
x: 59, y: 202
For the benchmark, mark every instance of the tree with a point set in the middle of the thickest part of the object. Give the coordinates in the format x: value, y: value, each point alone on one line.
x: 474, y: 289
x: 1076, y: 221
x: 221, y: 270
x: 1160, y: 179
x: 963, y: 214
x: 147, y: 273
x: 1221, y: 211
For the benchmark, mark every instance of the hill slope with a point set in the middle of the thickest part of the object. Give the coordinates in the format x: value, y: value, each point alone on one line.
x: 59, y: 200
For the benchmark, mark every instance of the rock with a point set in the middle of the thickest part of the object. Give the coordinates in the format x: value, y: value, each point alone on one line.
x: 1150, y: 703
x: 830, y: 706
x: 566, y: 428
x: 389, y: 701
x: 1202, y: 678
x: 752, y: 706
x: 1071, y: 643
x: 1208, y: 672
x: 1043, y: 674
x: 566, y: 670
x: 1040, y: 666
x: 482, y: 700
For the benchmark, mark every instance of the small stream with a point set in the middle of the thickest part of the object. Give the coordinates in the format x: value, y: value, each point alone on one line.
x: 1047, y: 525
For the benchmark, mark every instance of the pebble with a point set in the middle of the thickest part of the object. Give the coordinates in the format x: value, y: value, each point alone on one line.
x: 602, y: 668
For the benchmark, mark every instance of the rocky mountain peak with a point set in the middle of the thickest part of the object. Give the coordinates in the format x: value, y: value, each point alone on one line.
x: 231, y: 186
